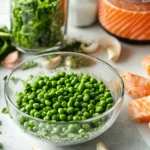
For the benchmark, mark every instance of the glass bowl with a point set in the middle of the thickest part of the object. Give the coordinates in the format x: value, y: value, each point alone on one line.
x: 65, y: 132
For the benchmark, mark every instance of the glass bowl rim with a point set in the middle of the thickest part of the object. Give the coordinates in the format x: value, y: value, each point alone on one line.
x: 8, y: 99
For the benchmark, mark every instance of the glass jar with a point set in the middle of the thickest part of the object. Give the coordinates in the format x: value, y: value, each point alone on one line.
x: 37, y: 26
x: 128, y: 20
x: 82, y: 12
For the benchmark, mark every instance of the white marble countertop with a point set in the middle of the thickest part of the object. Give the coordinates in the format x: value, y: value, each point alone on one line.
x: 123, y: 135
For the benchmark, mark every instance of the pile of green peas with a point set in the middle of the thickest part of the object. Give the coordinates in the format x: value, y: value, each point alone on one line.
x: 65, y: 97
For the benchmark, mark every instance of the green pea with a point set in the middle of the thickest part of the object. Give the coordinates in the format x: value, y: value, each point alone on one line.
x: 37, y: 114
x: 36, y: 105
x: 77, y: 104
x: 23, y: 109
x: 109, y: 106
x: 55, y: 131
x: 70, y: 118
x: 41, y: 83
x: 49, y: 114
x: 76, y: 118
x: 84, y: 105
x: 32, y: 112
x: 79, y: 113
x: 101, y: 90
x: 97, y: 98
x: 70, y: 110
x: 103, y: 104
x: 35, y: 129
x: 48, y: 103
x: 55, y: 117
x: 64, y: 104
x: 81, y: 87
x: 107, y: 94
x: 41, y: 95
x: 56, y: 105
x: 99, y: 109
x: 76, y: 85
x: 54, y: 83
x: 92, y: 101
x: 88, y: 85
x: 31, y: 102
x: 86, y: 114
x: 73, y: 128
x: 96, y: 85
x: 83, y: 118
x: 93, y: 80
x: 86, y: 98
x: 61, y: 111
x: 84, y: 109
x: 86, y: 127
x: 29, y: 107
x: 109, y: 100
x: 95, y: 114
x: 67, y: 81
x: 86, y: 91
x: 91, y: 107
x: 102, y: 86
x: 60, y: 98
x: 71, y: 89
x: 47, y: 108
x: 91, y: 112
x: 62, y: 117
x: 52, y: 94
x: 46, y: 118
x: 54, y: 111
x: 46, y: 96
x: 25, y: 99
x: 80, y: 97
x: 45, y: 88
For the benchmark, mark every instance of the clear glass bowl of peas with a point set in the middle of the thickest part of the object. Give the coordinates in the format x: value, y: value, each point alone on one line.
x: 65, y: 98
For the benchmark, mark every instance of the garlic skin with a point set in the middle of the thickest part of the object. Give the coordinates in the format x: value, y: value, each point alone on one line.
x: 101, y: 146
x: 52, y: 63
x: 91, y: 48
x: 82, y: 12
x: 113, y: 47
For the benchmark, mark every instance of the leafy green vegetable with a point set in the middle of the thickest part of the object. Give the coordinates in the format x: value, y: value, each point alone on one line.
x: 14, y: 79
x: 5, y: 110
x: 30, y: 64
x: 1, y: 146
x: 5, y: 78
x: 5, y: 42
x: 37, y: 24
x: 74, y: 46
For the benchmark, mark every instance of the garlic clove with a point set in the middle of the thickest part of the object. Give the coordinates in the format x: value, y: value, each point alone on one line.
x: 113, y: 47
x: 113, y: 53
x: 11, y: 60
x: 11, y: 65
x: 52, y: 63
x: 90, y: 48
x: 101, y: 146
x: 68, y: 61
